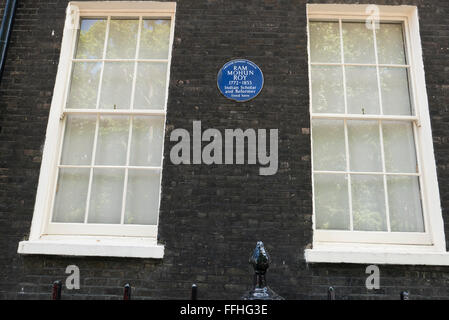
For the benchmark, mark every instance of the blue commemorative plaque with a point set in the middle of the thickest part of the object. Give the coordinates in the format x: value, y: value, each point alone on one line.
x: 240, y: 80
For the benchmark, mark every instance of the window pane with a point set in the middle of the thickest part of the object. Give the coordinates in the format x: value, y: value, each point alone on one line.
x: 328, y: 145
x: 364, y: 146
x: 390, y: 43
x: 71, y: 194
x: 142, y: 197
x: 151, y: 85
x: 368, y: 203
x: 324, y: 42
x: 122, y: 41
x: 84, y: 85
x: 362, y: 90
x: 331, y: 201
x: 154, y: 39
x: 395, y: 91
x: 358, y: 43
x: 78, y: 140
x: 399, y: 145
x: 327, y: 89
x: 112, y: 140
x: 91, y: 39
x: 147, y: 140
x: 117, y: 85
x: 405, y: 205
x: 106, y: 196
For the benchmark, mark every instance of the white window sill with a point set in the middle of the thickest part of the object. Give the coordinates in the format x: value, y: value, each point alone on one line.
x: 93, y: 246
x: 375, y: 254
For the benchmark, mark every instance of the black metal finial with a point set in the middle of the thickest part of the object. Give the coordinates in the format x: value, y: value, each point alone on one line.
x: 260, y: 260
x: 331, y: 293
x: 56, y: 290
x: 405, y: 295
x: 127, y: 292
x: 194, y: 295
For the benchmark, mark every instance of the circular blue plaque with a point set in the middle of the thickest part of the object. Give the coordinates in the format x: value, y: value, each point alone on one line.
x: 240, y: 80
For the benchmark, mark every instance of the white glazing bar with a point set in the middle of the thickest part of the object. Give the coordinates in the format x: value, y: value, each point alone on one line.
x: 69, y: 73
x: 108, y: 24
x: 345, y: 125
x: 382, y: 152
x: 368, y: 173
x: 359, y: 64
x: 133, y: 89
x: 147, y: 112
x: 121, y: 60
x: 330, y: 15
x: 61, y: 140
x: 411, y: 75
x: 108, y: 167
x: 351, y: 218
x: 55, y: 185
x: 342, y: 53
x: 125, y: 182
x: 421, y: 178
x: 363, y: 117
x: 132, y: 13
x: 91, y: 173
x: 379, y: 88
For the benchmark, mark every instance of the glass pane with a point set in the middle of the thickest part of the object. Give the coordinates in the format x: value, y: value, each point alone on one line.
x: 399, y: 145
x: 328, y: 145
x: 71, y: 194
x: 91, y: 39
x: 117, y: 85
x: 327, y: 89
x: 358, y: 43
x: 78, y: 140
x: 364, y: 146
x: 151, y: 85
x: 154, y: 39
x: 142, y: 197
x: 362, y: 90
x: 122, y: 41
x: 112, y: 140
x: 331, y: 201
x: 368, y: 203
x: 106, y: 196
x: 84, y: 85
x: 146, y: 143
x: 405, y: 204
x: 395, y: 91
x: 325, y: 42
x: 390, y: 43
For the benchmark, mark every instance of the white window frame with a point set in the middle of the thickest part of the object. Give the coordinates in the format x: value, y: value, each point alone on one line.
x: 428, y: 247
x: 51, y: 238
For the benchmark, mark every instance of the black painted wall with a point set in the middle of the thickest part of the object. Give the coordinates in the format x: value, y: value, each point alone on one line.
x: 211, y: 216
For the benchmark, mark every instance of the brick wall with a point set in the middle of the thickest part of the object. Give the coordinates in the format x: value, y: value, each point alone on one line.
x: 211, y: 216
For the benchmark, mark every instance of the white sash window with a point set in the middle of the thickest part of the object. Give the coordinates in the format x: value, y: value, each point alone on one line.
x: 374, y: 180
x: 101, y: 172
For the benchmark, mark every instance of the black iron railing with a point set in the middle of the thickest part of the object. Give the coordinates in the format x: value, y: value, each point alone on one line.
x: 260, y: 260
